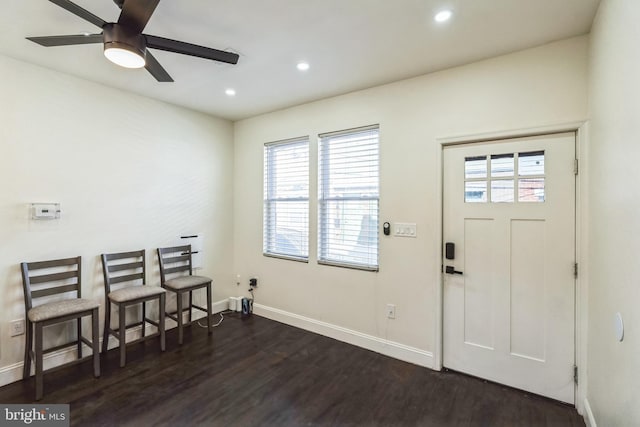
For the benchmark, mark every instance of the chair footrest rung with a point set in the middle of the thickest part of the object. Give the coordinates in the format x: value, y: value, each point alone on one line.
x: 144, y: 338
x: 173, y: 313
x: 197, y: 307
x: 141, y: 339
x: 115, y: 331
x: 61, y: 346
x: 153, y: 322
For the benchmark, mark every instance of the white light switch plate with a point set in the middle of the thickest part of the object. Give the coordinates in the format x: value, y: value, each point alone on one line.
x: 405, y: 229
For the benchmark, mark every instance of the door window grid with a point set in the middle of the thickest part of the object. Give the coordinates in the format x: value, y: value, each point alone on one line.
x: 497, y: 178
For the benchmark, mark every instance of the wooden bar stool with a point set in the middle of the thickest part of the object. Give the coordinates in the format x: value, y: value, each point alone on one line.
x: 129, y: 269
x: 62, y: 276
x: 177, y: 260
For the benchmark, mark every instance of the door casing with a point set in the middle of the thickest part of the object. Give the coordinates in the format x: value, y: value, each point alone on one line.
x: 581, y: 130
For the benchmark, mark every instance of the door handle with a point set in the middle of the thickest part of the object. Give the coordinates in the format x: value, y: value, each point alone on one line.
x: 450, y: 270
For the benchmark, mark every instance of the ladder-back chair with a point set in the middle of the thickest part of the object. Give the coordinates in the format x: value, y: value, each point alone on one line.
x: 174, y: 261
x: 125, y: 285
x: 57, y: 277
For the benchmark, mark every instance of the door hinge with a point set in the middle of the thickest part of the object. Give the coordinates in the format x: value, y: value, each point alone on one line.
x: 575, y: 166
x: 575, y: 270
x: 575, y: 374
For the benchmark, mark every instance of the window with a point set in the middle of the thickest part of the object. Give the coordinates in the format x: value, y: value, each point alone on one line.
x: 529, y: 177
x: 531, y: 169
x: 286, y: 199
x: 349, y: 198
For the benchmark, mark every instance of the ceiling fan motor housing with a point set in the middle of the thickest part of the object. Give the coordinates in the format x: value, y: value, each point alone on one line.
x: 116, y: 36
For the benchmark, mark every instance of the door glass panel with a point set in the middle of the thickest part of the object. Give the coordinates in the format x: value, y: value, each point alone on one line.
x: 502, y: 191
x: 531, y: 190
x: 531, y: 163
x: 475, y: 191
x: 502, y: 165
x: 475, y: 167
x: 484, y: 172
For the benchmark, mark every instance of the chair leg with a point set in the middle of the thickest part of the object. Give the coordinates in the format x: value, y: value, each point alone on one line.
x: 190, y: 305
x: 144, y: 318
x: 107, y: 326
x: 122, y: 333
x: 179, y: 317
x: 161, y: 322
x: 95, y: 341
x: 79, y: 321
x: 28, y: 347
x: 209, y: 308
x: 38, y: 356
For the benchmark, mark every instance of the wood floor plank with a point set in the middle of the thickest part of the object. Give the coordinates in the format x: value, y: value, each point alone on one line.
x: 257, y: 372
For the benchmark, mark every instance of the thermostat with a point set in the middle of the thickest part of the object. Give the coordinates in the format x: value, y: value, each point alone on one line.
x: 45, y: 210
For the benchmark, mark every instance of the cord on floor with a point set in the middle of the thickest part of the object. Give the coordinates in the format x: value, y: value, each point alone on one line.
x: 219, y: 322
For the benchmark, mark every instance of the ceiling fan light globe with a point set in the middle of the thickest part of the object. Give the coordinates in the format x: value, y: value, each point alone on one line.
x: 124, y: 57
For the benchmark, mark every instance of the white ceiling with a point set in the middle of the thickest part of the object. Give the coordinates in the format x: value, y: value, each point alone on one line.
x: 350, y: 44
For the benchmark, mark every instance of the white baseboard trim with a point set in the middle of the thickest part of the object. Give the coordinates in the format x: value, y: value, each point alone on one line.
x: 370, y: 342
x: 221, y: 305
x: 12, y: 373
x: 588, y: 414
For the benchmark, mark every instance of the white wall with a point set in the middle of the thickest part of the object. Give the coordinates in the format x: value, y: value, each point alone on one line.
x: 129, y: 172
x: 541, y: 86
x: 614, y: 226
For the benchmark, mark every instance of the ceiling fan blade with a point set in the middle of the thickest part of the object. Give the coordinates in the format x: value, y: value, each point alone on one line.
x: 176, y: 46
x: 80, y: 12
x: 156, y: 70
x: 50, y: 41
x: 136, y: 13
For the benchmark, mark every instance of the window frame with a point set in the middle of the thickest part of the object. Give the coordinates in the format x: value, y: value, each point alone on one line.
x: 323, y: 201
x: 269, y: 199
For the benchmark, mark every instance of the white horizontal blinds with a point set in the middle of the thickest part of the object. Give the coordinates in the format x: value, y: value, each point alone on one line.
x: 349, y: 198
x: 286, y: 199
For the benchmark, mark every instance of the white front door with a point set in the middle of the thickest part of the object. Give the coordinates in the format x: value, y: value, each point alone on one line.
x: 509, y: 211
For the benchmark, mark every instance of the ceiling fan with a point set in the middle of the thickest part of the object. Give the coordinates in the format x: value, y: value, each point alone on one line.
x: 125, y: 44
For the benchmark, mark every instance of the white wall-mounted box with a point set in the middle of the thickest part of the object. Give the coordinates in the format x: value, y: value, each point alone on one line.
x: 45, y: 211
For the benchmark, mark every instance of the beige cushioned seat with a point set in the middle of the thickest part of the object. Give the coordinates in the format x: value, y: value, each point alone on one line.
x: 55, y: 309
x: 135, y: 292
x: 186, y: 282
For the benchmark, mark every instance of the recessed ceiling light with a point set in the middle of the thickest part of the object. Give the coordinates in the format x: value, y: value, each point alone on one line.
x: 230, y: 92
x: 443, y: 16
x: 303, y: 66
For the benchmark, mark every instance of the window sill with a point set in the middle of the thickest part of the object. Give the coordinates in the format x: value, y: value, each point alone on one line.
x: 351, y: 266
x: 287, y: 257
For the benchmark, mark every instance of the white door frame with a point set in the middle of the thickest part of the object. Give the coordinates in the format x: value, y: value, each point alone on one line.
x: 581, y: 130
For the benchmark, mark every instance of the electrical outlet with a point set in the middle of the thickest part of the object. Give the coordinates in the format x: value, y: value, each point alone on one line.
x: 17, y: 327
x: 253, y: 282
x: 391, y: 311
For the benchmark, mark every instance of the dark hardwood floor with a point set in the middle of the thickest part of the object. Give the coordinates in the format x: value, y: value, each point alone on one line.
x: 258, y: 372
